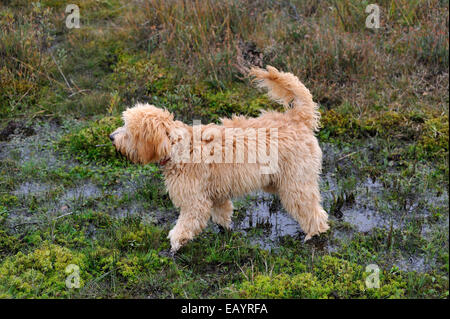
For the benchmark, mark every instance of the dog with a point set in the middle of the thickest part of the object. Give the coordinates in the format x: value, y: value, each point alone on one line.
x: 203, y: 185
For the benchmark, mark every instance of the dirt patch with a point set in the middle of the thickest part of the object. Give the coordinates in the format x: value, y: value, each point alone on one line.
x: 248, y: 55
x: 16, y: 128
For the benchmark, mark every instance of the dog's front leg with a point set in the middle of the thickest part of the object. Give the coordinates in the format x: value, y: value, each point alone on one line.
x: 221, y: 213
x: 192, y: 220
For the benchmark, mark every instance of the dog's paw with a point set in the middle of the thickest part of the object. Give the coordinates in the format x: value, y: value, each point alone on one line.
x: 178, y: 238
x: 175, y: 242
x: 175, y: 246
x: 170, y: 235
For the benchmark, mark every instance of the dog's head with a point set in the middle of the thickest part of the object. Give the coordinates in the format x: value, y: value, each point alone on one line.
x: 144, y: 138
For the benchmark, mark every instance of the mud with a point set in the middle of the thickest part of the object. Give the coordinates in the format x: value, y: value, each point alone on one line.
x: 15, y: 128
x: 364, y: 207
x: 264, y: 212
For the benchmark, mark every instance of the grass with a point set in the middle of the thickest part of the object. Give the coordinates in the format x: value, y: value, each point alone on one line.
x: 66, y: 197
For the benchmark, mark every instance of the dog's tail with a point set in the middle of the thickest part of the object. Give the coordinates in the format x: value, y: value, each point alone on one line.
x: 287, y: 89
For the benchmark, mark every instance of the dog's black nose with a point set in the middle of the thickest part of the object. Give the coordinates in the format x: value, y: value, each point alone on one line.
x: 111, y: 137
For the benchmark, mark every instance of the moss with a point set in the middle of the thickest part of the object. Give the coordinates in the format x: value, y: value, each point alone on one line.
x: 347, y: 280
x: 91, y: 144
x: 283, y: 286
x: 336, y: 123
x: 385, y: 102
x: 434, y: 139
x: 102, y: 260
x: 74, y: 232
x: 152, y: 191
x: 8, y: 200
x: 135, y: 271
x: 225, y: 103
x: 133, y: 235
x: 136, y: 79
x: 94, y: 218
x: 134, y: 267
x: 33, y: 238
x: 343, y: 277
x: 40, y: 273
x: 9, y: 244
x: 331, y: 278
x: 210, y: 250
x: 426, y: 132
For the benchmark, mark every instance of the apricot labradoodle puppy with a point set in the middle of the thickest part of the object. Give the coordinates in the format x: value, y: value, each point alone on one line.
x: 202, y: 181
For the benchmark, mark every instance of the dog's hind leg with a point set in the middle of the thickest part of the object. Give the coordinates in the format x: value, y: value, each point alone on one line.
x: 221, y: 213
x: 302, y: 201
x: 192, y: 220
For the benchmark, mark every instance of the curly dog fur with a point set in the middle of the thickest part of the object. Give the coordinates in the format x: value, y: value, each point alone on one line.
x: 203, y: 189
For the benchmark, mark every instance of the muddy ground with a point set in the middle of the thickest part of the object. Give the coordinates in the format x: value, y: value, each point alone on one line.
x: 360, y: 208
x: 67, y: 199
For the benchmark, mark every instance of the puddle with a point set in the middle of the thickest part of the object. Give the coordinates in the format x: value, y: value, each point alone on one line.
x: 36, y: 148
x: 264, y: 212
x: 83, y: 191
x: 14, y: 128
x: 362, y: 213
x: 263, y: 219
x: 412, y: 263
x: 266, y: 221
x: 260, y: 216
x: 365, y: 220
x: 31, y: 188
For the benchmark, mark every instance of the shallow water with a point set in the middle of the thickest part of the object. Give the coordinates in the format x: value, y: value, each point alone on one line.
x: 412, y: 263
x: 31, y: 188
x: 264, y: 211
x: 369, y: 209
x: 83, y: 191
x: 259, y: 215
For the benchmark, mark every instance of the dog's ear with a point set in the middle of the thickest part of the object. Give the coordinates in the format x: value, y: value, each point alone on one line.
x: 149, y: 127
x: 156, y: 144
